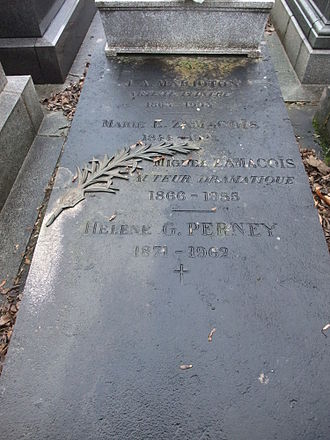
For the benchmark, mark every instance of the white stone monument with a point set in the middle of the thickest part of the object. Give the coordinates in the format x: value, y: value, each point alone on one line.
x: 184, y: 27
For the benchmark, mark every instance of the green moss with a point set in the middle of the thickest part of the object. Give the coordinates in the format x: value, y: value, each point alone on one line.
x: 194, y: 68
x: 324, y: 140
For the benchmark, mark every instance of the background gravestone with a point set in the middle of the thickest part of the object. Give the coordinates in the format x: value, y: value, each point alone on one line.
x: 27, y: 18
x: 42, y: 37
x: 304, y: 29
x: 3, y: 79
x: 20, y: 119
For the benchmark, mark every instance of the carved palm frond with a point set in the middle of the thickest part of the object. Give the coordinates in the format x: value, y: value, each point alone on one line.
x: 98, y: 174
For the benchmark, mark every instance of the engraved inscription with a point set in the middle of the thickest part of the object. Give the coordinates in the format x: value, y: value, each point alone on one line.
x: 191, y: 229
x: 92, y: 228
x: 228, y: 162
x: 181, y: 124
x: 205, y: 196
x: 216, y: 179
x: 231, y: 229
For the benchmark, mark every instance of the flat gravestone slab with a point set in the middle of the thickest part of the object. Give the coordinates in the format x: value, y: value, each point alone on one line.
x: 126, y: 289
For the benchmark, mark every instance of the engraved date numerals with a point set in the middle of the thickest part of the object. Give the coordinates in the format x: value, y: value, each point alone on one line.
x: 150, y: 251
x: 206, y: 196
x: 202, y: 252
x: 167, y: 195
x: 221, y: 196
x: 191, y: 252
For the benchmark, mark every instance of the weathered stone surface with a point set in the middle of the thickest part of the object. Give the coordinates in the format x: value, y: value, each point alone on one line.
x: 27, y: 18
x: 228, y: 239
x: 305, y: 38
x: 313, y: 23
x: 3, y: 79
x: 20, y: 118
x: 48, y: 58
x: 25, y: 87
x: 292, y: 89
x: 322, y: 115
x: 20, y: 211
x: 324, y: 7
x: 214, y: 27
x: 313, y: 66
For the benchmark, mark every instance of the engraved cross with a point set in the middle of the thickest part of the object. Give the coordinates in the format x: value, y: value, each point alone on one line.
x: 181, y: 271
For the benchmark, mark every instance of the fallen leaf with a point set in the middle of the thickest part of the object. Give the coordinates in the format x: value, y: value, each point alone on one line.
x: 5, y: 319
x: 185, y: 163
x: 325, y: 328
x: 185, y: 367
x: 263, y: 379
x: 317, y: 163
x: 158, y: 158
x: 210, y: 336
x: 3, y: 282
x: 323, y: 197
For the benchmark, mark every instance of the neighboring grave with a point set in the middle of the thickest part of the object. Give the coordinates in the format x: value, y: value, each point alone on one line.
x: 304, y: 29
x: 3, y: 79
x: 115, y: 336
x: 27, y: 18
x: 20, y: 118
x: 42, y: 37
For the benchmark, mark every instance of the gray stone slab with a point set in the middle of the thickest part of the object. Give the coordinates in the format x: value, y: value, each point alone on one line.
x: 116, y: 307
x: 293, y: 40
x: 48, y: 58
x: 20, y: 211
x: 301, y: 116
x: 56, y: 124
x: 20, y: 118
x: 291, y: 88
x: 313, y: 66
x: 22, y: 49
x: 304, y: 13
x: 324, y: 7
x: 27, y: 18
x: 3, y: 79
x: 323, y: 113
x: 213, y: 27
x: 280, y: 14
x: 313, y: 24
x: 25, y: 87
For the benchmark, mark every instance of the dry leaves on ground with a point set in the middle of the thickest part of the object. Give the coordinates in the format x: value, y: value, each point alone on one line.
x: 319, y: 179
x: 269, y: 29
x: 8, y: 313
x: 67, y: 100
